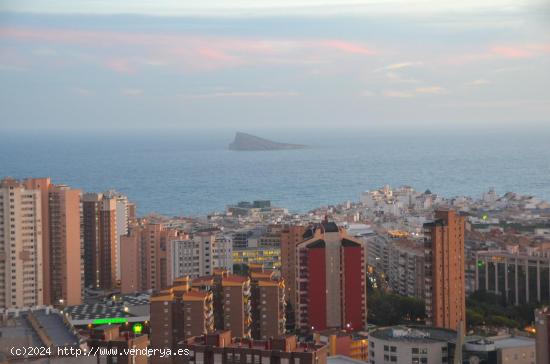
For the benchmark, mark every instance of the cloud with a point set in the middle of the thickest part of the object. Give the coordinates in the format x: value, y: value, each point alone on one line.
x: 218, y: 94
x: 479, y: 82
x: 347, y: 47
x: 394, y: 77
x: 127, y: 52
x: 499, y: 51
x: 511, y: 52
x: 432, y: 90
x: 131, y: 91
x: 397, y: 66
x: 429, y: 90
x: 398, y: 94
x: 81, y: 91
x: 44, y: 52
x: 367, y: 93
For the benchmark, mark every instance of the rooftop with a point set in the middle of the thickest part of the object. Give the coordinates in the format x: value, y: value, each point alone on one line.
x: 120, y: 306
x: 414, y: 334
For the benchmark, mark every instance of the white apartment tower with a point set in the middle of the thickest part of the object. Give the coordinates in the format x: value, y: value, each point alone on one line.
x: 199, y: 255
x: 121, y: 222
x: 20, y: 246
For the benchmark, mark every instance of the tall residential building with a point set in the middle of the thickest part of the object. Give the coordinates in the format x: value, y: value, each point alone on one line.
x: 406, y: 268
x: 179, y: 313
x: 330, y: 280
x: 21, y: 280
x: 234, y: 308
x: 146, y: 245
x: 290, y: 237
x: 268, y: 304
x: 61, y: 242
x: 542, y: 326
x: 122, y: 220
x: 201, y: 254
x: 100, y: 236
x: 444, y: 270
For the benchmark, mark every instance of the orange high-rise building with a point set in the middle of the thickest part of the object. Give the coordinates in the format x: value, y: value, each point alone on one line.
x: 145, y: 258
x: 61, y: 242
x: 291, y: 236
x: 444, y: 282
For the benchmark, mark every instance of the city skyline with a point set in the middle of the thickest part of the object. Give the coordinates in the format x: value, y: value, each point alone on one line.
x: 275, y: 182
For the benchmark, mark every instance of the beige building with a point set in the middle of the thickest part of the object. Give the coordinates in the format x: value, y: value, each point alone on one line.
x: 21, y: 283
x: 61, y: 242
x: 145, y: 257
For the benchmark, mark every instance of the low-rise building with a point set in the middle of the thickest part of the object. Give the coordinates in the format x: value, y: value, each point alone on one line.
x: 220, y: 347
x: 410, y: 344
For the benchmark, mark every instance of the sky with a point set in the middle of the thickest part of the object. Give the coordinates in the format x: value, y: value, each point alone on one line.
x: 254, y: 64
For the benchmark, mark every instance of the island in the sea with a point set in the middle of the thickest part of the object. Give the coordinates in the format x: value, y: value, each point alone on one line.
x: 248, y: 142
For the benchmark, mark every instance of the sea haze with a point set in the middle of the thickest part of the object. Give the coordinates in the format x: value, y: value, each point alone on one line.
x: 193, y: 172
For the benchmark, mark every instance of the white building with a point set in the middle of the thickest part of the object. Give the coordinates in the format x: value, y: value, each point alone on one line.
x: 199, y: 255
x: 121, y: 218
x: 401, y: 344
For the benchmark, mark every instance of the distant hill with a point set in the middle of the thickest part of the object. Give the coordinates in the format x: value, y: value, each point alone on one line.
x: 248, y: 142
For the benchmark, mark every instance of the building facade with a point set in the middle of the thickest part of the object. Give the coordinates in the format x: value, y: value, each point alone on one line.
x: 61, y: 242
x: 146, y: 257
x: 444, y: 270
x: 291, y: 236
x: 330, y: 280
x: 418, y: 345
x: 21, y: 274
x: 519, y: 277
x: 268, y: 304
x: 100, y: 236
x: 201, y: 254
x: 221, y: 348
x: 406, y: 268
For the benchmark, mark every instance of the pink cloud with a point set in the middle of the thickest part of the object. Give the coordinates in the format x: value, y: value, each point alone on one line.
x: 347, y: 47
x: 119, y: 65
x: 510, y: 52
x: 493, y: 52
x: 129, y: 51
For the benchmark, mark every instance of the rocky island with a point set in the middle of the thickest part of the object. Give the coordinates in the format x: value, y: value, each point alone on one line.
x: 248, y: 142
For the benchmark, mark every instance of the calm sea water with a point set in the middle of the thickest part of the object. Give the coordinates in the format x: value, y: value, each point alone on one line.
x: 192, y: 173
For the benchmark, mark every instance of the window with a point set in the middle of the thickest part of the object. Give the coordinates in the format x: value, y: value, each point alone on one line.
x: 393, y: 349
x: 415, y: 350
x: 393, y: 359
x: 386, y: 348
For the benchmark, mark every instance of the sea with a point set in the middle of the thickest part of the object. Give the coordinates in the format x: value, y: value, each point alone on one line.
x: 192, y: 173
